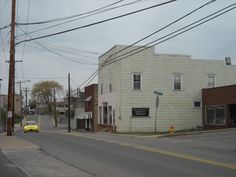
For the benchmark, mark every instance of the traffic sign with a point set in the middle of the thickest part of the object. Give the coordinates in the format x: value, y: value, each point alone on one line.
x: 158, y: 93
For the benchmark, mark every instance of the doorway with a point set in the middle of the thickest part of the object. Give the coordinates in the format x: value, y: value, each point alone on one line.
x: 232, y: 115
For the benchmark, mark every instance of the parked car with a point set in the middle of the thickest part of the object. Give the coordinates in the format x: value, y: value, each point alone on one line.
x: 31, y: 126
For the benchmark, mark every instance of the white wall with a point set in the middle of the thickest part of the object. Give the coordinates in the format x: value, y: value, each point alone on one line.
x: 176, y: 107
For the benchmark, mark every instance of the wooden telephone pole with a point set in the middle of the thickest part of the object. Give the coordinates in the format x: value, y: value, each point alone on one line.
x: 11, y: 83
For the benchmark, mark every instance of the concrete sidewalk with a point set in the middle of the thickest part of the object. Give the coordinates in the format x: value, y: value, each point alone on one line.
x: 29, y: 160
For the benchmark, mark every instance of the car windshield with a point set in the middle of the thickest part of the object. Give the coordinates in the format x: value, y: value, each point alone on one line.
x: 30, y: 123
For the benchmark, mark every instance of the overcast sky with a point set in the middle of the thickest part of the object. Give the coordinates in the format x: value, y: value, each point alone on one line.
x: 213, y: 40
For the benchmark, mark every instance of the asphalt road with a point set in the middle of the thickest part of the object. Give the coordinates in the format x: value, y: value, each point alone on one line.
x: 117, y: 156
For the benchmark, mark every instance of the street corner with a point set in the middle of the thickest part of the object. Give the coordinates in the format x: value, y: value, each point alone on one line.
x: 14, y: 143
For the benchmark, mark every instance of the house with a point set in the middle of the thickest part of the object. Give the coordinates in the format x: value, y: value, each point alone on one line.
x: 126, y: 86
x: 88, y: 119
x: 17, y: 103
x: 3, y: 109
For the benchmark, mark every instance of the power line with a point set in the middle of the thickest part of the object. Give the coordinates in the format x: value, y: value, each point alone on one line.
x: 72, y: 16
x: 96, y: 23
x: 58, y: 54
x: 166, y: 26
x: 7, y: 26
x: 79, y: 18
x: 161, y: 29
x: 164, y: 40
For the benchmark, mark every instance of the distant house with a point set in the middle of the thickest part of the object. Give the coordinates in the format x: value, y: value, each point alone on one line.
x: 3, y: 108
x: 126, y: 85
x: 88, y: 119
x: 17, y: 103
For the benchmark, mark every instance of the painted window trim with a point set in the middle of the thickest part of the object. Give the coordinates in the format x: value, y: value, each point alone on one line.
x: 141, y: 80
x: 208, y: 80
x: 181, y: 82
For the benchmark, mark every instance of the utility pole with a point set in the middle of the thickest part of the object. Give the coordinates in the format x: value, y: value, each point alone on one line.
x: 68, y: 102
x: 21, y: 103
x: 55, y: 110
x: 77, y: 100
x: 26, y: 99
x: 11, y: 83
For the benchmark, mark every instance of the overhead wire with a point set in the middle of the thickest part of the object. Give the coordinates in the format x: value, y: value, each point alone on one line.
x: 96, y: 23
x: 154, y: 43
x: 58, y: 54
x: 161, y: 29
x: 71, y: 49
x: 217, y: 14
x: 79, y: 18
x: 72, y: 16
x: 164, y: 27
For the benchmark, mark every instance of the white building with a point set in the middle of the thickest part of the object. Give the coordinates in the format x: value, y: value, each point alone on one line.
x: 126, y: 98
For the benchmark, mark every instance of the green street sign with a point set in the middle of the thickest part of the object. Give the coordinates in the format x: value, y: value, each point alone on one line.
x: 158, y: 93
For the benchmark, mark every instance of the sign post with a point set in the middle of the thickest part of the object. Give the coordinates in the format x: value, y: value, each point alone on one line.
x: 157, y: 105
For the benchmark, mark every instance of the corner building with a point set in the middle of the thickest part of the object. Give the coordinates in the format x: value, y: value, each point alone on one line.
x: 126, y: 85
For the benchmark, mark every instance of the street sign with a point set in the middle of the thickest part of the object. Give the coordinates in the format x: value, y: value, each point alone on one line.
x: 158, y: 93
x: 157, y: 102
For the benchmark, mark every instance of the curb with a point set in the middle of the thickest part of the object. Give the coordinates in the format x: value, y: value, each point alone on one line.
x: 195, y: 132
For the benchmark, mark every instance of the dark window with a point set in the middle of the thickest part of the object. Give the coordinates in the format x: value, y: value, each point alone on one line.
x: 177, y: 82
x: 219, y: 114
x: 215, y: 115
x: 210, y: 114
x: 140, y: 112
x: 136, y: 81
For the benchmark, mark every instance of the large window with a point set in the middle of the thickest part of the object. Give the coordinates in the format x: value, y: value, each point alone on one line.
x: 215, y: 115
x: 177, y: 81
x: 140, y: 112
x: 211, y: 80
x: 137, y: 79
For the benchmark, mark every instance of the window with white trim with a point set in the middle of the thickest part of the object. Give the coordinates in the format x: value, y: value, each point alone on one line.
x: 137, y: 81
x: 211, y: 80
x: 177, y: 82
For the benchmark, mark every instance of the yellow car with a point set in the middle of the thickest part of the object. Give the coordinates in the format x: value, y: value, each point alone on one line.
x: 31, y: 126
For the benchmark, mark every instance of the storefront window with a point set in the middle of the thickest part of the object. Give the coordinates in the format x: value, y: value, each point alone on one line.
x: 210, y: 115
x: 220, y: 114
x: 215, y: 115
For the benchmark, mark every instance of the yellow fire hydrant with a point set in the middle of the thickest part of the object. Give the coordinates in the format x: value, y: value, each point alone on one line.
x: 172, y: 129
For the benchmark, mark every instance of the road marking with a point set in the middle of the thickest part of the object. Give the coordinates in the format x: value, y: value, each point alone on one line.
x: 188, y: 157
x: 163, y: 152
